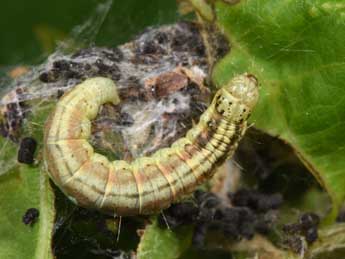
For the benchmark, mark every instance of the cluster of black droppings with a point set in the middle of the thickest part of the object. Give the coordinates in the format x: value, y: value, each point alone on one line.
x: 31, y: 216
x: 112, y: 54
x: 151, y: 48
x: 27, y: 150
x: 181, y: 43
x: 48, y: 77
x: 217, y: 42
x: 85, y: 64
x: 161, y: 37
x: 306, y: 226
x: 222, y: 46
x: 189, y: 41
x: 151, y: 54
x: 179, y: 214
x: 236, y: 222
x: 209, y: 212
x: 255, y: 200
x: 12, y: 116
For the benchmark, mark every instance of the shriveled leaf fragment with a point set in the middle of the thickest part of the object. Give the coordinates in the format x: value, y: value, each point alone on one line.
x: 159, y: 243
x: 24, y: 188
x: 296, y: 49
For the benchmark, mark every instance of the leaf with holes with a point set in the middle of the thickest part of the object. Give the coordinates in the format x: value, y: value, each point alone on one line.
x: 296, y: 49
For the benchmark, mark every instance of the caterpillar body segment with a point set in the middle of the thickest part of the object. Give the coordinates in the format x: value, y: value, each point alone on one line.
x: 148, y: 184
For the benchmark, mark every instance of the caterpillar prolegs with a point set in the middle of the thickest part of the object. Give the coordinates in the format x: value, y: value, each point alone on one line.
x: 148, y: 184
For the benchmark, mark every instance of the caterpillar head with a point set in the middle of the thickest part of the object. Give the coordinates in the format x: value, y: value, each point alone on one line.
x: 237, y: 98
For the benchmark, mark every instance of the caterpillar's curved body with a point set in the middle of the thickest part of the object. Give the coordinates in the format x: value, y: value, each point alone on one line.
x: 148, y: 184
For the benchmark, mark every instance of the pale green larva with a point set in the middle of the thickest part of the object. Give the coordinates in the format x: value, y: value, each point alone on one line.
x: 148, y: 184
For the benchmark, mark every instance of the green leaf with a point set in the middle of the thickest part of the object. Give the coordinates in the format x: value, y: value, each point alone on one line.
x: 8, y: 152
x: 157, y: 243
x: 23, y: 188
x: 25, y: 39
x: 296, y: 49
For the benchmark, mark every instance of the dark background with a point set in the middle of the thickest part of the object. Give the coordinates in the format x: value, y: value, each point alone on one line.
x: 29, y: 28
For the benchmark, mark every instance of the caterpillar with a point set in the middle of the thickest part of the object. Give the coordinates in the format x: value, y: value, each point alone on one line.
x: 148, y: 184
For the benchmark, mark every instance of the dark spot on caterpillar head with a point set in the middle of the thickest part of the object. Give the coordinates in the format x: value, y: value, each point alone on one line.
x: 27, y: 150
x: 30, y: 216
x: 222, y: 111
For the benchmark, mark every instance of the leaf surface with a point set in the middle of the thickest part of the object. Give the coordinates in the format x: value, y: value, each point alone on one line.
x: 22, y: 188
x: 296, y: 50
x: 157, y: 243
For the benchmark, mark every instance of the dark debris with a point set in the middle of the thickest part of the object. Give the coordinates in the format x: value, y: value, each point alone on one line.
x: 165, y: 47
x: 255, y: 200
x: 27, y: 150
x: 12, y: 114
x: 84, y: 233
x: 31, y: 216
x: 306, y: 226
x: 209, y: 212
x: 158, y: 54
x: 84, y: 64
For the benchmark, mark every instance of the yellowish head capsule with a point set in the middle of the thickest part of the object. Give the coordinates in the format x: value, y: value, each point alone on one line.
x: 244, y: 88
